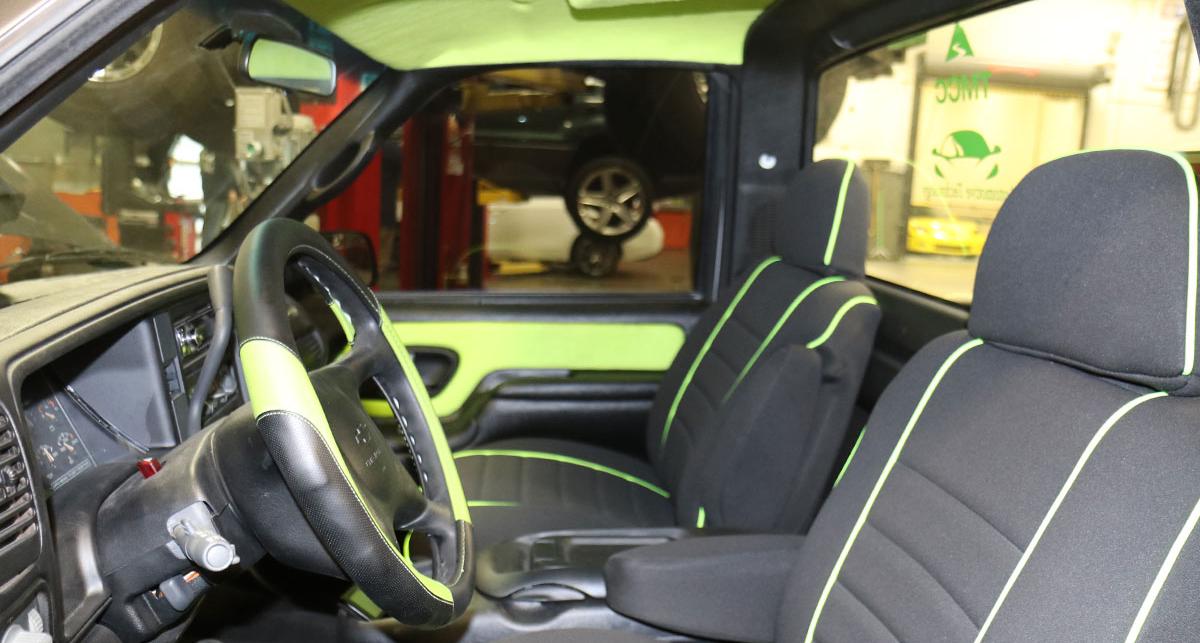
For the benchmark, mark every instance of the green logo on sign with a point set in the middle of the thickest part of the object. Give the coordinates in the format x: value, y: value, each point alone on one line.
x: 960, y: 47
x: 965, y: 155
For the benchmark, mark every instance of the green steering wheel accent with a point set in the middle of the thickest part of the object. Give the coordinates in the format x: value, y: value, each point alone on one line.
x: 564, y: 459
x: 708, y: 342
x: 276, y: 381
x: 458, y: 500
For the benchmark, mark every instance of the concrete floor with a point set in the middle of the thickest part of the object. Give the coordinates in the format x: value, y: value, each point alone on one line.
x: 949, y: 278
x: 670, y: 271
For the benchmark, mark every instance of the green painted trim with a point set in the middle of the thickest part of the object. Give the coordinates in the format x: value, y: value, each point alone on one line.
x: 359, y: 600
x: 419, y: 34
x: 564, y: 459
x: 834, y: 231
x: 1058, y: 500
x: 883, y: 476
x: 1164, y: 571
x: 712, y: 336
x: 837, y: 319
x: 276, y: 381
x: 787, y: 314
x: 378, y: 409
x: 1189, y: 176
x: 458, y: 500
x: 850, y: 458
x: 485, y: 347
x: 492, y: 503
x: 701, y: 517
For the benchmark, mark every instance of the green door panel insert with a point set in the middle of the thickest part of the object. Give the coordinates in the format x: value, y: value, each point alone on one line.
x: 485, y: 347
x: 418, y: 34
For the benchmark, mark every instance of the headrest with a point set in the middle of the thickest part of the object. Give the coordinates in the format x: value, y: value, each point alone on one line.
x: 1092, y: 262
x: 822, y: 223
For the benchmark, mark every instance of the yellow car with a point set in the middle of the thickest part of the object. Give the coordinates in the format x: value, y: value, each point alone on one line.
x: 946, y: 236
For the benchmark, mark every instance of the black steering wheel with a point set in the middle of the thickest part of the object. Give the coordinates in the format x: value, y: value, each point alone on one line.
x: 353, y: 490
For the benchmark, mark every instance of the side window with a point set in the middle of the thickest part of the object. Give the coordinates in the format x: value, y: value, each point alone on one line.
x: 541, y: 180
x: 946, y: 123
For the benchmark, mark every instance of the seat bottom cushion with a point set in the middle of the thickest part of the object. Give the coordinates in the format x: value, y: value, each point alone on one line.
x: 521, y: 486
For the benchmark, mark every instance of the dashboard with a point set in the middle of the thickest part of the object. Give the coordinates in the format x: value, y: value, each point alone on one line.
x: 97, y: 373
x: 125, y: 396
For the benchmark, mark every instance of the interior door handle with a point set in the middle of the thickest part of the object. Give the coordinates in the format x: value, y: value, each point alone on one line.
x: 436, y: 366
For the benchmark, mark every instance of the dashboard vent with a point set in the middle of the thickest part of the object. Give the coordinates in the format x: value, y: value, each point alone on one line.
x: 18, y: 520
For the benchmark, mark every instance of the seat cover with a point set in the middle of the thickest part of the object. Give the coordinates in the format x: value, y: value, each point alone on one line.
x: 517, y: 487
x: 1038, y: 477
x: 749, y: 416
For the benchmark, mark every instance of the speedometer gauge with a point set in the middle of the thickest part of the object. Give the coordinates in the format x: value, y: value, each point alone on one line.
x: 60, y: 453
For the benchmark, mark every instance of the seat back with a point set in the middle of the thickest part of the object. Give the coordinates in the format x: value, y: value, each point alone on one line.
x: 752, y: 412
x: 1037, y: 477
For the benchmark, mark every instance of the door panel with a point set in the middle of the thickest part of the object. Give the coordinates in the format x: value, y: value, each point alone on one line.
x: 487, y: 347
x: 583, y: 370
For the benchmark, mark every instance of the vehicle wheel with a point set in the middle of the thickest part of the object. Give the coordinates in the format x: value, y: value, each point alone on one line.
x: 595, y: 257
x: 610, y: 198
x: 134, y: 96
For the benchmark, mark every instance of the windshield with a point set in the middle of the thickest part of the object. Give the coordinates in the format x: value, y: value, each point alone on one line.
x: 163, y: 147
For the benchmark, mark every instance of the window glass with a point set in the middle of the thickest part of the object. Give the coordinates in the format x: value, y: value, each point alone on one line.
x: 946, y: 123
x: 540, y: 180
x: 160, y: 149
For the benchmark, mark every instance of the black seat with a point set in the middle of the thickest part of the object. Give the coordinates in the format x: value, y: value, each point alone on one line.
x: 757, y: 402
x: 1036, y: 478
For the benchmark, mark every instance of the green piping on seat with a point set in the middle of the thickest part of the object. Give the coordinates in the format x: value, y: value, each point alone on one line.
x: 276, y: 381
x: 492, y: 503
x: 831, y: 244
x: 787, y: 314
x: 837, y: 319
x: 564, y: 459
x: 1058, y: 500
x: 1189, y: 177
x: 708, y: 342
x: 883, y: 476
x: 701, y: 517
x: 1164, y: 571
x: 849, y: 458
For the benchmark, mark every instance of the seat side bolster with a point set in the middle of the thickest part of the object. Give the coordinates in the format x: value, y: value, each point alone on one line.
x: 720, y: 587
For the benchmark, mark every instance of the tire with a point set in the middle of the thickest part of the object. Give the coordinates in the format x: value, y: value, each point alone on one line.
x: 159, y: 88
x: 610, y: 197
x: 595, y: 257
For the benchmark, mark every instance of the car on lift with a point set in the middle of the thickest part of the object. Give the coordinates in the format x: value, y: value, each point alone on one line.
x: 609, y: 143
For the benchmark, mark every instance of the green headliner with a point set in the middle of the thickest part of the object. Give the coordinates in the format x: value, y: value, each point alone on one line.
x: 416, y: 34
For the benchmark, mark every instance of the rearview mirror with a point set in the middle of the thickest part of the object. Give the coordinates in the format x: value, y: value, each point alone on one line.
x: 358, y: 251
x: 289, y: 66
